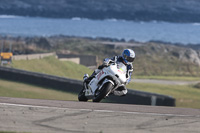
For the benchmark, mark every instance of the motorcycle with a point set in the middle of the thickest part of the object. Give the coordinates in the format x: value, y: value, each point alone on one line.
x: 104, y: 83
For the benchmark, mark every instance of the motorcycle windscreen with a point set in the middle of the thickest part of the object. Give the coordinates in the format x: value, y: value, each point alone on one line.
x: 121, y: 67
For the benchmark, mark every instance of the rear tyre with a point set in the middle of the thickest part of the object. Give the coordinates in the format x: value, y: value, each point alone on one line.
x: 100, y: 94
x: 81, y: 96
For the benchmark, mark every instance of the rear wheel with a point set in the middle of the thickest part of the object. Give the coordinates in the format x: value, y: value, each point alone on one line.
x: 81, y: 96
x: 100, y: 94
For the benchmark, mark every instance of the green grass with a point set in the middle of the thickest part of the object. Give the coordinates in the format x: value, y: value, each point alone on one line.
x: 185, y: 95
x: 48, y: 65
x: 177, y: 78
x: 12, y: 132
x: 7, y: 132
x: 21, y: 90
x: 51, y: 65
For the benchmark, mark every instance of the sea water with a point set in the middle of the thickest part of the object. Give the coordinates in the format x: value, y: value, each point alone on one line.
x: 185, y: 33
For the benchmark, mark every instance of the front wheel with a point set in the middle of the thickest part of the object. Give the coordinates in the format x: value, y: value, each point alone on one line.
x: 81, y: 96
x: 100, y: 94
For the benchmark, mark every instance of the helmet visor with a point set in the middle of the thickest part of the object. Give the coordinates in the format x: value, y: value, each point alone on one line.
x: 129, y: 59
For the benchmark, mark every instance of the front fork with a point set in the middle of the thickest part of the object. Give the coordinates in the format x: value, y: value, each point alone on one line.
x: 88, y: 91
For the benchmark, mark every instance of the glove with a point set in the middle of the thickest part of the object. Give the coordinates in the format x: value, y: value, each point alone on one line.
x: 106, y: 62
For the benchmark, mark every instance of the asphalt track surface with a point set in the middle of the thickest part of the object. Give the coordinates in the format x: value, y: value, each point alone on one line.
x: 51, y: 116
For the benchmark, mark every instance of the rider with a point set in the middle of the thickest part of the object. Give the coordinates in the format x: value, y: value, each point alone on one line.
x: 127, y: 58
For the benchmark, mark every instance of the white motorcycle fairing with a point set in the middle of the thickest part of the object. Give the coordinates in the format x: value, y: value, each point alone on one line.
x: 115, y: 74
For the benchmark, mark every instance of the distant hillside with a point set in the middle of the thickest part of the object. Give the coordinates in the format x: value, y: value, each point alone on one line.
x: 138, y: 10
x: 151, y: 58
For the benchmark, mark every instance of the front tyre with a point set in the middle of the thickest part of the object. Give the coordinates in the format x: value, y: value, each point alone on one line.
x: 100, y: 94
x: 81, y: 96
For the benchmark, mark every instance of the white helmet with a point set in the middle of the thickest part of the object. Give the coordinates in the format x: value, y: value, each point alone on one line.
x: 128, y: 56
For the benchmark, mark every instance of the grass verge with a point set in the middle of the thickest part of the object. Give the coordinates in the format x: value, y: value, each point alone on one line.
x: 177, y: 78
x: 22, y: 90
x: 51, y: 65
x: 186, y: 95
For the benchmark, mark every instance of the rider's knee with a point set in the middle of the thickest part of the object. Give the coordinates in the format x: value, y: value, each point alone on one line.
x: 121, y: 91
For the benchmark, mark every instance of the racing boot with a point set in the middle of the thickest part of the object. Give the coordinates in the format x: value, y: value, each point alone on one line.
x: 85, y: 77
x: 121, y: 91
x: 88, y: 79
